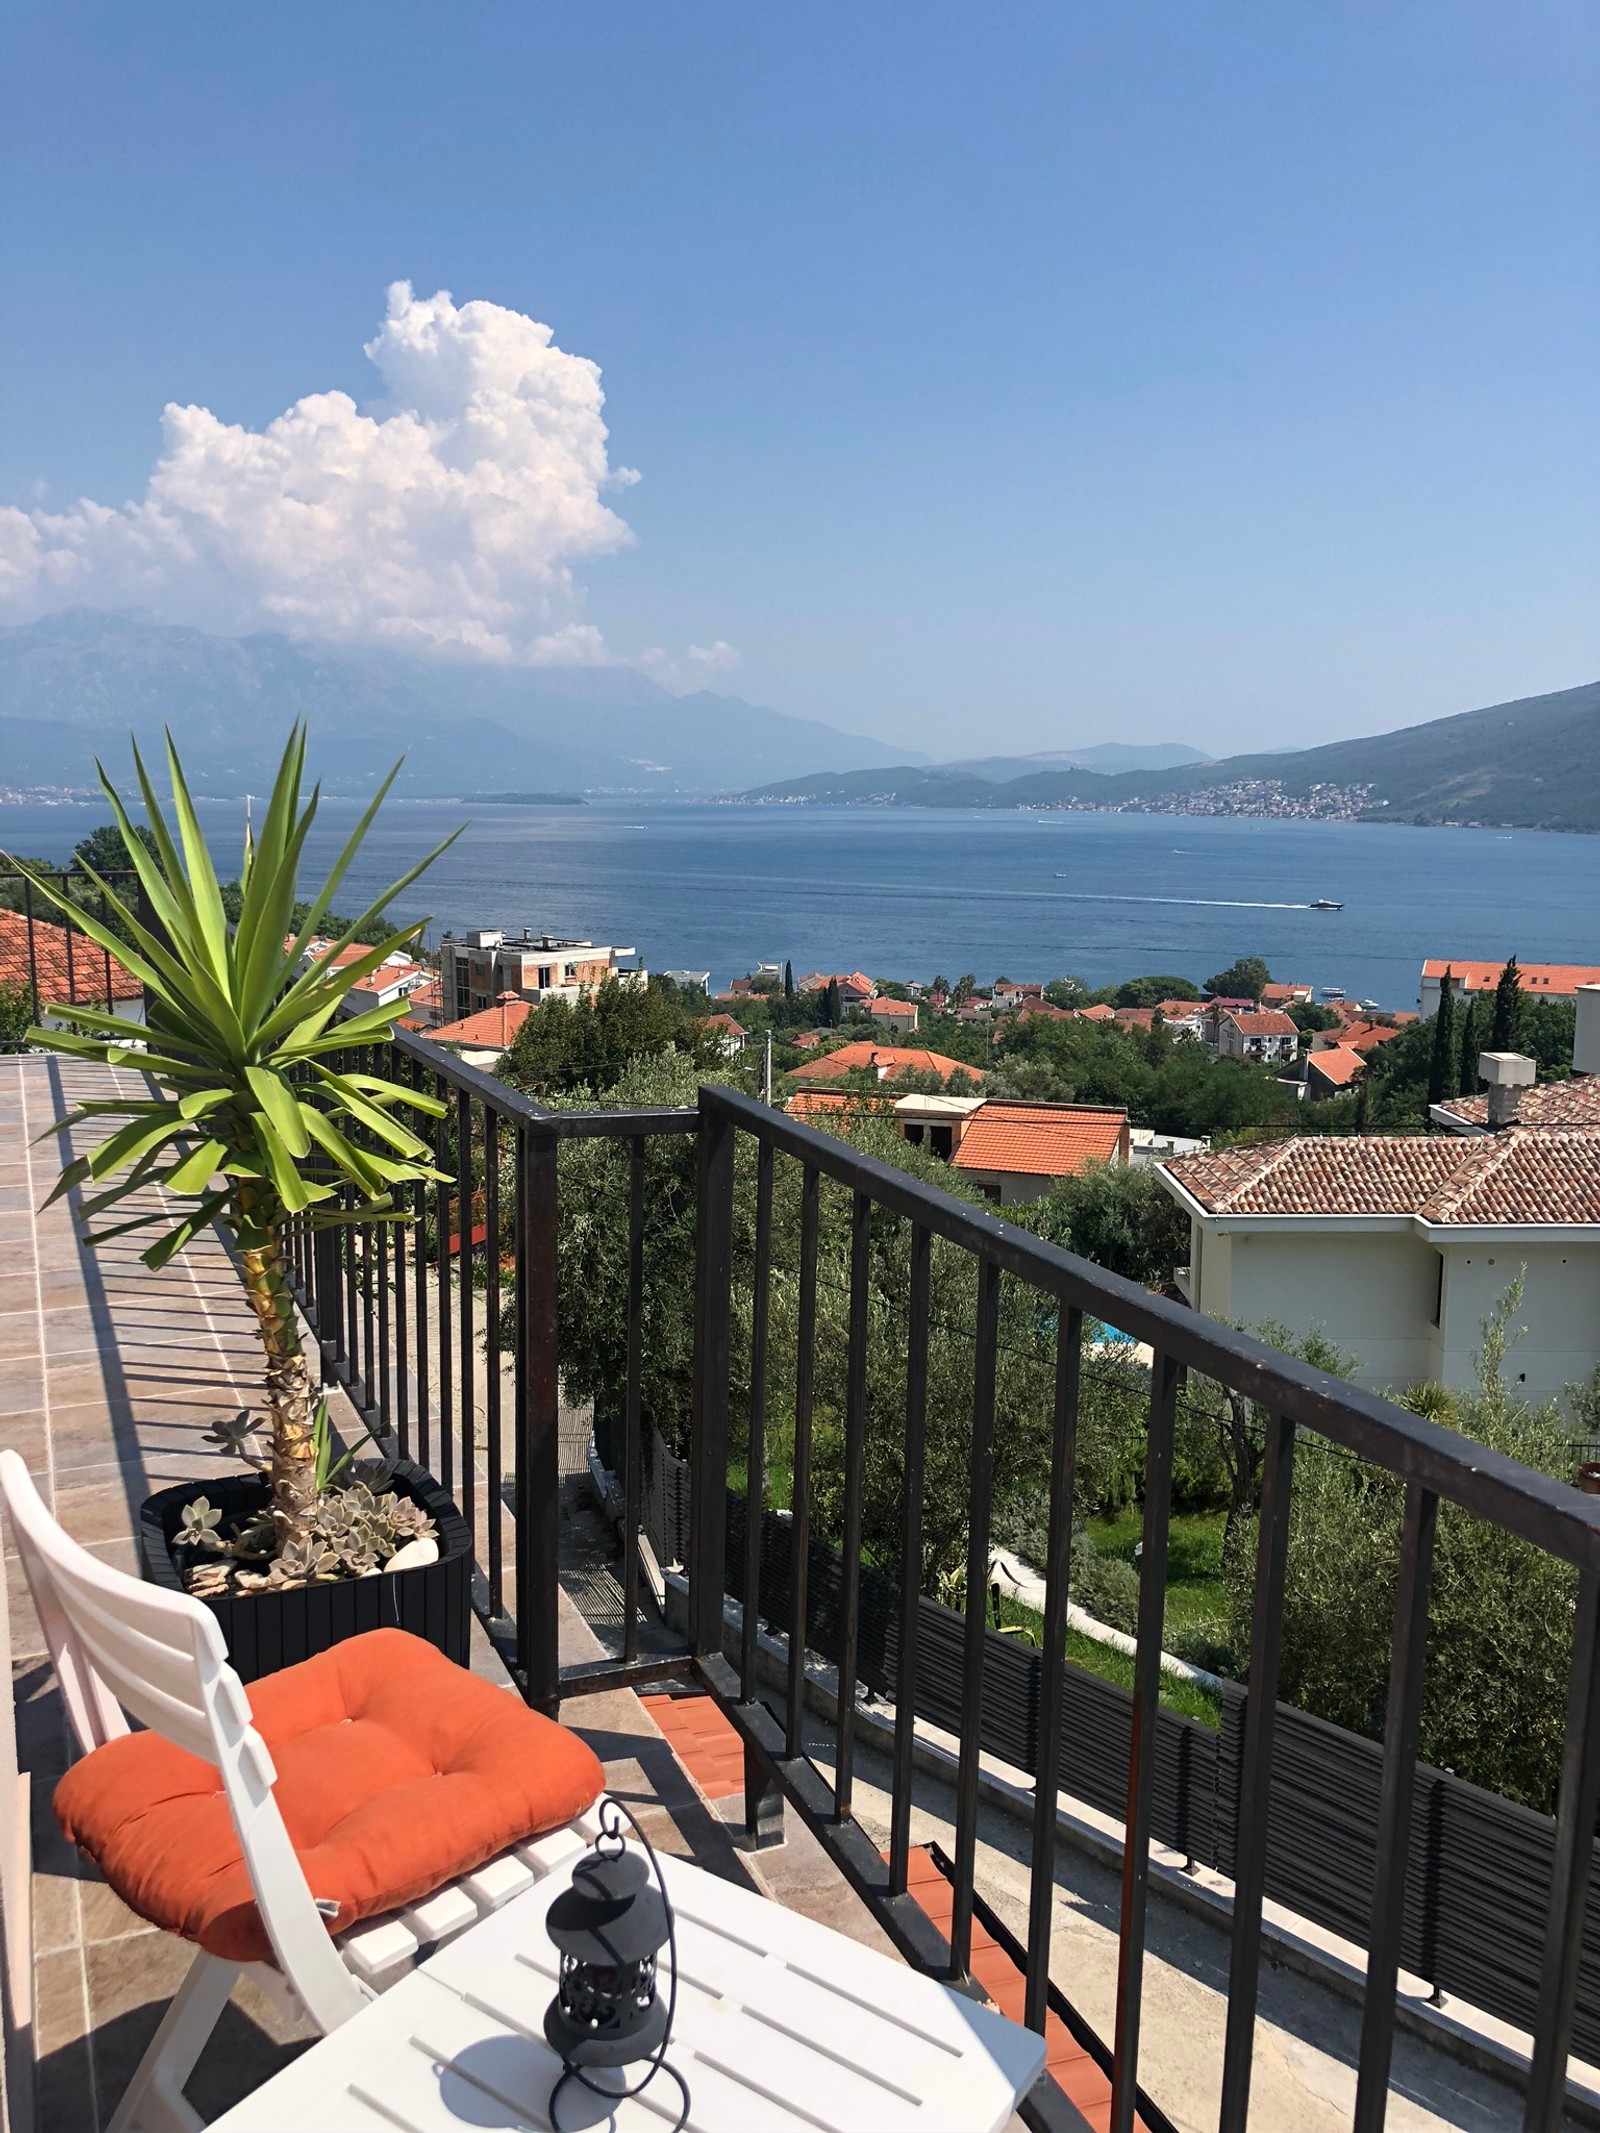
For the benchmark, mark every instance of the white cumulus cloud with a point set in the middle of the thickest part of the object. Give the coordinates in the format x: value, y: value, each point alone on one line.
x: 697, y: 666
x: 451, y: 513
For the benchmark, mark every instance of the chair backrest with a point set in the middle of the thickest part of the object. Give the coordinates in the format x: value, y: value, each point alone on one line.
x: 120, y: 1645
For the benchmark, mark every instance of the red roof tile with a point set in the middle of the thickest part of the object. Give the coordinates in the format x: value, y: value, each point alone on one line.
x: 1337, y: 1064
x: 1536, y: 977
x: 75, y: 976
x: 1265, y: 1022
x: 491, y: 1027
x: 886, y: 1059
x: 1518, y: 1176
x: 1040, y: 1140
x: 1548, y: 1103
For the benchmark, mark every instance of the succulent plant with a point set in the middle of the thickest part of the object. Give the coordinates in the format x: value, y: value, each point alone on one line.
x: 349, y: 1533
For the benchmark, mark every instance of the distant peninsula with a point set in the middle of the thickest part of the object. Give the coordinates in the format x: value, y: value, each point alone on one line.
x: 522, y: 799
x: 1531, y: 764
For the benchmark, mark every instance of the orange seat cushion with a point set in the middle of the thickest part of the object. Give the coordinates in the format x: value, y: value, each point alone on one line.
x: 397, y: 1771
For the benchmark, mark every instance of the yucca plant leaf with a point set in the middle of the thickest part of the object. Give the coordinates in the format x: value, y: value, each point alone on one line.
x: 197, y: 1168
x: 74, y: 1173
x: 196, y: 1220
x: 205, y: 895
x: 134, y: 1140
x: 199, y: 1101
x: 281, y: 1107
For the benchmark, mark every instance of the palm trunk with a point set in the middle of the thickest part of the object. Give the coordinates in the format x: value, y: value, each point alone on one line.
x: 288, y: 1382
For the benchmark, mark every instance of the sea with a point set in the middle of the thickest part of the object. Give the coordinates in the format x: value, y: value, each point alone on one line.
x: 911, y: 892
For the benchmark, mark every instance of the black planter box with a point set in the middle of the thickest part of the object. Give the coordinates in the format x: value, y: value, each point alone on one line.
x: 268, y: 1630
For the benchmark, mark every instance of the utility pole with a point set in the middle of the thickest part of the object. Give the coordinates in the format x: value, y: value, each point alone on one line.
x: 767, y: 1076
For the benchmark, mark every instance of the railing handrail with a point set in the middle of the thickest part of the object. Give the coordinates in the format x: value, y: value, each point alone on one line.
x: 1550, y: 1513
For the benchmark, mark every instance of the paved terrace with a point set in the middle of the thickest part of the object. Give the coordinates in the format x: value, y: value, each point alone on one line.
x: 108, y: 1376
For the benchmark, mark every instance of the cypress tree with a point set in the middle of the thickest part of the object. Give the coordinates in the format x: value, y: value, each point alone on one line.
x: 1363, y: 1101
x: 788, y: 979
x: 1471, y: 1045
x: 1507, y: 1009
x: 833, y: 1003
x: 1444, y: 1065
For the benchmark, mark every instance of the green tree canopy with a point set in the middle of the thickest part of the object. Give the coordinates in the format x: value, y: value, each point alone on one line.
x: 594, y: 1041
x: 1150, y: 992
x: 1246, y: 978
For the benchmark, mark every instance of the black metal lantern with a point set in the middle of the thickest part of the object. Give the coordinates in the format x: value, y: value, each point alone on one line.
x: 609, y: 1926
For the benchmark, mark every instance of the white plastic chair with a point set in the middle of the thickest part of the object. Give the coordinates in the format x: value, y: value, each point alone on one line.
x: 121, y: 1646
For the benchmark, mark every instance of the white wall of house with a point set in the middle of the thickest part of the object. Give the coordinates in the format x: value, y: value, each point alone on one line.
x: 1376, y: 1291
x: 1560, y: 1311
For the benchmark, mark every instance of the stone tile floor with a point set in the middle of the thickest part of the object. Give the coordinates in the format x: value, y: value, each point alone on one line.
x: 109, y: 1374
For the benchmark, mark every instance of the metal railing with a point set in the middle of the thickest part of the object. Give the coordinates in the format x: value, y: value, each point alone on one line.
x: 400, y: 1321
x: 48, y: 958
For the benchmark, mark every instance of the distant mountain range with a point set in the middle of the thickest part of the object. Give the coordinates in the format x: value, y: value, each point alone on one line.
x: 1109, y: 757
x: 1532, y: 764
x: 74, y: 685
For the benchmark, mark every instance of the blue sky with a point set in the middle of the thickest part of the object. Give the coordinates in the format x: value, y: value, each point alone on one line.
x: 997, y: 377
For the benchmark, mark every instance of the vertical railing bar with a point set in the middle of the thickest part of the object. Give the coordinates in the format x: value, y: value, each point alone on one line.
x: 1579, y: 1801
x: 855, y: 1460
x: 351, y: 1335
x: 465, y: 1270
x: 368, y: 1317
x: 1052, y: 1681
x: 708, y: 1502
x: 980, y: 1493
x: 33, y: 952
x: 916, y: 1451
x: 385, y: 1412
x: 70, y: 931
x: 632, y: 1447
x: 755, y: 1494
x: 105, y: 954
x: 1255, y: 1775
x: 1401, y: 1732
x: 420, y: 1274
x: 402, y: 1344
x: 443, y: 1256
x: 494, y: 1505
x: 800, y: 1489
x: 538, y: 1480
x: 1164, y: 1375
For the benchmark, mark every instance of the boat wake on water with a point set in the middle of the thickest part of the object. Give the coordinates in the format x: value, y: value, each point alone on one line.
x: 1209, y: 903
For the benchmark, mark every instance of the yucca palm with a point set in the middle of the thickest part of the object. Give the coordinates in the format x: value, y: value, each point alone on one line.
x: 252, y: 1119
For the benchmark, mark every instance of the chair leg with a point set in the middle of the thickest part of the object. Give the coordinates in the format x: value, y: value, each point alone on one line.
x: 154, y: 2101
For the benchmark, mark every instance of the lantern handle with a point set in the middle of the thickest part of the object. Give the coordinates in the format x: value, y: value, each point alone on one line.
x: 611, y: 1843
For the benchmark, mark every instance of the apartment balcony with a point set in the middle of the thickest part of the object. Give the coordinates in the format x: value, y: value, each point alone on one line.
x: 773, y: 1705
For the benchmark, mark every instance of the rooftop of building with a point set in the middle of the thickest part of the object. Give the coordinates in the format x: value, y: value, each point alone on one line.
x: 884, y: 1060
x: 1473, y: 976
x: 1513, y: 1178
x: 1261, y: 1022
x: 491, y: 1028
x: 67, y: 966
x: 1337, y: 1063
x: 1547, y: 1104
x: 1039, y: 1140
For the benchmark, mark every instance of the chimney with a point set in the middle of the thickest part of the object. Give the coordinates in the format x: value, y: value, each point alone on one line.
x: 1508, y: 1074
x: 1586, y: 1037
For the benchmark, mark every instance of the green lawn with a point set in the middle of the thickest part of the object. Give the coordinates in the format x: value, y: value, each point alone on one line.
x: 1185, y: 1698
x: 1195, y: 1596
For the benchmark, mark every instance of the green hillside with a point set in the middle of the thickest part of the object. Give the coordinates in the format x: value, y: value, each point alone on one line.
x: 1532, y: 764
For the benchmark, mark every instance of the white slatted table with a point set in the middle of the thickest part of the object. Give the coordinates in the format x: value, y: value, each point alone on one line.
x: 783, y: 2026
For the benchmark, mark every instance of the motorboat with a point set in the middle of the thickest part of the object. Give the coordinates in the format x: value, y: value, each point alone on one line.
x: 1324, y: 903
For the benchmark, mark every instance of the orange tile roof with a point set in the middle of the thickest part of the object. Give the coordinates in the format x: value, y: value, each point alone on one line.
x: 1473, y: 976
x: 1135, y: 1017
x: 726, y: 1022
x: 76, y: 977
x: 1338, y: 1064
x: 1040, y: 1140
x: 893, y: 1010
x: 1366, y: 1036
x: 1097, y: 1013
x: 835, y: 1103
x: 1515, y: 1177
x: 1548, y: 1103
x: 1266, y: 1022
x: 886, y: 1059
x: 1285, y: 992
x: 490, y: 1027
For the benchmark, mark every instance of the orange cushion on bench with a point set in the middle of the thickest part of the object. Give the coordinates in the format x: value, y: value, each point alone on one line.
x: 397, y: 1771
